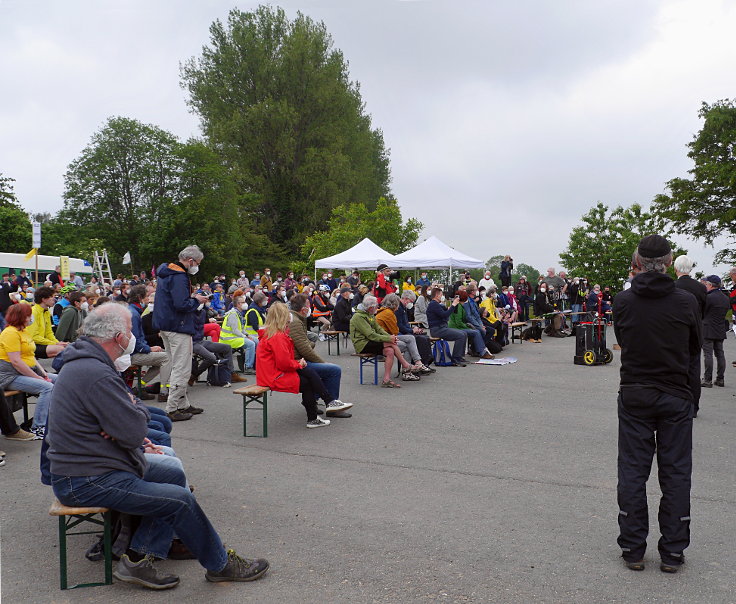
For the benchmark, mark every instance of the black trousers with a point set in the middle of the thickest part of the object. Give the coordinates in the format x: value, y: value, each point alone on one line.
x: 709, y: 347
x: 652, y: 421
x: 8, y: 425
x: 312, y: 388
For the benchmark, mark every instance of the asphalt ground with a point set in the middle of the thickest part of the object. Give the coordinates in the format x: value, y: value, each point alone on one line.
x: 477, y: 484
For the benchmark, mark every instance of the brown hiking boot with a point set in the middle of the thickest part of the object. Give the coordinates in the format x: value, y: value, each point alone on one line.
x: 236, y: 377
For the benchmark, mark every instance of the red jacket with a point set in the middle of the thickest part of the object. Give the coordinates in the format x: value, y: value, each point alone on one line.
x: 275, y: 364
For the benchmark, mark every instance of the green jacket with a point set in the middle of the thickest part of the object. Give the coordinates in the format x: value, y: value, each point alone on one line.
x: 69, y: 324
x: 457, y: 319
x: 364, y: 329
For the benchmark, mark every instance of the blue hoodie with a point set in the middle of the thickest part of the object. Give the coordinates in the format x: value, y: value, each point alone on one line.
x: 174, y: 308
x: 89, y: 397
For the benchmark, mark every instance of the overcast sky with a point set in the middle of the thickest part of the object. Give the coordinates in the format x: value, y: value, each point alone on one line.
x: 506, y: 120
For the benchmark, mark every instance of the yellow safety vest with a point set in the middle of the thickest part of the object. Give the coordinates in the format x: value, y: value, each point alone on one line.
x: 248, y: 329
x: 226, y: 334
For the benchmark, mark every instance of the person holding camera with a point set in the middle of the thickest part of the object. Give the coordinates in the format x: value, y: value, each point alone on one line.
x: 507, y: 267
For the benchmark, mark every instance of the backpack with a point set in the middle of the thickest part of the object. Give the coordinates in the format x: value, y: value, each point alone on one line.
x: 442, y: 356
x: 220, y: 374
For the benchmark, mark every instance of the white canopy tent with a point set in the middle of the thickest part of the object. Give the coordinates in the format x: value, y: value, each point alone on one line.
x: 365, y: 255
x: 434, y: 254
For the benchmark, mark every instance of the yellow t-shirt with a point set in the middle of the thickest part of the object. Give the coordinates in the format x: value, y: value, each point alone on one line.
x: 15, y: 340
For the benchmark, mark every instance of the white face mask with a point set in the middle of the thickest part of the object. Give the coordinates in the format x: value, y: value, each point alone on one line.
x: 410, y: 305
x: 97, y: 291
x: 85, y: 306
x: 351, y: 296
x: 268, y: 273
x: 511, y: 291
x: 244, y: 306
x: 193, y: 270
x: 309, y: 312
x: 442, y: 299
x: 542, y: 289
x: 130, y: 347
x: 122, y: 363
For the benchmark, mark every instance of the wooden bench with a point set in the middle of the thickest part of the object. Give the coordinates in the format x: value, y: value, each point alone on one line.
x: 69, y: 518
x: 334, y: 336
x: 519, y: 325
x: 254, y: 394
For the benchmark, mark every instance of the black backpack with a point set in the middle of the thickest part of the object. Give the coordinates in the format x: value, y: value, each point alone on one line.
x: 219, y: 374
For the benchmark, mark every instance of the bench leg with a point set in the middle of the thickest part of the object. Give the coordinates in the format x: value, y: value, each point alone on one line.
x: 62, y: 553
x: 375, y: 371
x: 24, y: 398
x: 263, y: 401
x: 107, y: 547
x: 361, y: 363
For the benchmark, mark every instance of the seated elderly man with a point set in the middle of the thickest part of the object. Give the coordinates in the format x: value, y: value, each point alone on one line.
x: 437, y: 317
x: 405, y: 328
x: 386, y: 318
x: 96, y: 432
x: 329, y: 373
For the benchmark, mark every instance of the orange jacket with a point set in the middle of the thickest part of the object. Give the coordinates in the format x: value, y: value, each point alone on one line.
x: 386, y: 318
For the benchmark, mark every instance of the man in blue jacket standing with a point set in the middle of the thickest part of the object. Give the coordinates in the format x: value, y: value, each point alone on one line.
x: 173, y: 315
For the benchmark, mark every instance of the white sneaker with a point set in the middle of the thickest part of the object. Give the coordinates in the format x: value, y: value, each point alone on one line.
x: 337, y: 405
x: 318, y: 423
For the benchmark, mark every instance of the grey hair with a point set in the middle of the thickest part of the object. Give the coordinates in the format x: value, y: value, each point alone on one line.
x: 191, y: 252
x: 409, y: 295
x: 653, y: 265
x: 107, y: 321
x: 369, y: 302
x: 471, y: 287
x: 390, y: 301
x: 492, y: 288
x: 683, y: 264
x: 259, y: 297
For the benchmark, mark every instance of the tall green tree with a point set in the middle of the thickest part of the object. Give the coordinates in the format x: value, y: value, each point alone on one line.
x: 351, y: 223
x: 704, y: 205
x: 601, y: 248
x: 121, y: 186
x: 493, y: 264
x: 275, y: 97
x: 15, y: 229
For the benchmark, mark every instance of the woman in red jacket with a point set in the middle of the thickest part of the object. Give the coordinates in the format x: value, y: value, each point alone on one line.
x: 277, y: 369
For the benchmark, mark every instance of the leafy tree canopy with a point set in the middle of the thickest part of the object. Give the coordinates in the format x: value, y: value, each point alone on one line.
x: 601, y: 248
x: 704, y: 205
x: 15, y: 234
x: 275, y: 97
x: 351, y: 223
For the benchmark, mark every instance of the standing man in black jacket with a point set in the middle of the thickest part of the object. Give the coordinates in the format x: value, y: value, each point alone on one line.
x: 714, y: 331
x: 658, y: 327
x: 683, y: 268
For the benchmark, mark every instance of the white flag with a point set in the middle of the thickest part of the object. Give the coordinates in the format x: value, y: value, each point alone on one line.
x: 126, y: 258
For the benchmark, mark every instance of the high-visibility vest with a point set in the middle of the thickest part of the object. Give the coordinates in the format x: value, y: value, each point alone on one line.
x: 248, y: 329
x: 226, y: 334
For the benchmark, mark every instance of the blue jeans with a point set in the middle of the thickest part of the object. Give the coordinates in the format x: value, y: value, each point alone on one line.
x: 157, y: 435
x: 40, y: 387
x: 248, y: 352
x: 166, y: 505
x: 159, y: 416
x: 476, y: 338
x: 576, y: 308
x: 330, y: 375
x: 458, y: 336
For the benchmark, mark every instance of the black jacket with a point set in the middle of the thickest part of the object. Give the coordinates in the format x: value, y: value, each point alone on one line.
x: 658, y: 327
x: 696, y: 288
x: 714, y: 320
x: 342, y: 314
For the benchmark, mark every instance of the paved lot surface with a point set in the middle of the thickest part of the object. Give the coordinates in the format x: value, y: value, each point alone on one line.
x: 477, y: 484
